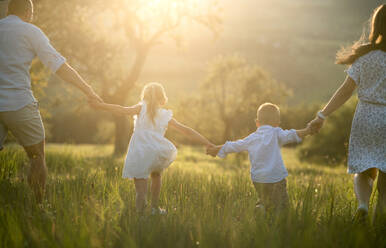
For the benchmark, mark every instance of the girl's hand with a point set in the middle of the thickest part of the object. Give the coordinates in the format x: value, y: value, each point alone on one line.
x: 213, y: 150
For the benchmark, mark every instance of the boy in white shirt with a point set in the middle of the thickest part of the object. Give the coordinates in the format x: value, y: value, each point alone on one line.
x: 268, y: 172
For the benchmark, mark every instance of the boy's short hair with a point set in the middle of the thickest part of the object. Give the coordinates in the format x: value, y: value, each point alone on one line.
x: 268, y: 114
x: 19, y: 7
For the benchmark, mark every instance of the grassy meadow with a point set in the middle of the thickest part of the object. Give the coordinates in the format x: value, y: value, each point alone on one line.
x: 210, y: 203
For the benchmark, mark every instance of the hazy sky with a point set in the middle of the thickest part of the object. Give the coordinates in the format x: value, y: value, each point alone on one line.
x: 295, y: 40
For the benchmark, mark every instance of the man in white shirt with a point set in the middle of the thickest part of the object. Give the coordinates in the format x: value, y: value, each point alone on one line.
x: 268, y: 172
x: 20, y: 43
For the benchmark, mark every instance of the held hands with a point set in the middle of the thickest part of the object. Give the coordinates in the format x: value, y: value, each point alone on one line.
x: 95, y: 103
x: 94, y: 100
x: 93, y: 97
x: 212, y: 150
x: 315, y: 125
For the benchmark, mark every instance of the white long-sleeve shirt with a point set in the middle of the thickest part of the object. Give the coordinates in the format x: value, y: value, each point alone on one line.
x: 263, y: 147
x: 20, y: 43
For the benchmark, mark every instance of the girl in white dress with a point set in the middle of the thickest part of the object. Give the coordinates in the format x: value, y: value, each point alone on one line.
x: 149, y: 151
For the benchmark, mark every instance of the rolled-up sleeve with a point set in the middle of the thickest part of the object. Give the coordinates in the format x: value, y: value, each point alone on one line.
x: 45, y: 51
x: 235, y: 146
x: 287, y: 136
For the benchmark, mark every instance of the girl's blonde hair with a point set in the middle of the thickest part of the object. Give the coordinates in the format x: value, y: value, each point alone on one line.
x: 154, y: 95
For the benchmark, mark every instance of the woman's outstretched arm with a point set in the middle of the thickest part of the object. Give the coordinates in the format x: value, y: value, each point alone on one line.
x: 117, y: 109
x: 189, y: 132
x: 338, y: 99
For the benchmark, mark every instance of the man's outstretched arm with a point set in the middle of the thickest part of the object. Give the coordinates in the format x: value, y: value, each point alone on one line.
x: 57, y: 63
x: 70, y: 75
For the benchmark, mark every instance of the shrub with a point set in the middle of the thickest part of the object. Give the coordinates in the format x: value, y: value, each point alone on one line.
x: 330, y: 145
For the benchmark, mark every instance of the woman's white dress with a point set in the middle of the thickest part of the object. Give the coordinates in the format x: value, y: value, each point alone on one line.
x: 149, y: 151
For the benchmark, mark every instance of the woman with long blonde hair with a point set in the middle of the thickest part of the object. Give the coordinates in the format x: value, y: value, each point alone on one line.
x: 149, y: 151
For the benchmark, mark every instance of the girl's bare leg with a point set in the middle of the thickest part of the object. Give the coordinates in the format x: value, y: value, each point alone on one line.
x: 155, y: 188
x: 141, y: 191
x: 363, y: 186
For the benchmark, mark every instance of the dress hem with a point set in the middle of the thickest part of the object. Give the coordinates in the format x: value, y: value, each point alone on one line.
x: 362, y: 169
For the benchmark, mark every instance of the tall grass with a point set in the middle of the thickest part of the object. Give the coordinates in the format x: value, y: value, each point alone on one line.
x: 210, y: 203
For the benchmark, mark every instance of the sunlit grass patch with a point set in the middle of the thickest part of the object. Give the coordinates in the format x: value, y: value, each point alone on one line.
x: 210, y: 202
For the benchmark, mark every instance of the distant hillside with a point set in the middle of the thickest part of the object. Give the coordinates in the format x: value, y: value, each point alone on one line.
x: 295, y: 40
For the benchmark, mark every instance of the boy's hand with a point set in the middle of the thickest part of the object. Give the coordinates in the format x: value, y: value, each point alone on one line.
x: 213, y: 150
x: 302, y: 133
x: 208, y: 148
x: 309, y: 130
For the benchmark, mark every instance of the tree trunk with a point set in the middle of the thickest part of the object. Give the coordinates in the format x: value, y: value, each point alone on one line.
x: 227, y: 130
x: 122, y: 134
x: 122, y: 124
x: 3, y: 9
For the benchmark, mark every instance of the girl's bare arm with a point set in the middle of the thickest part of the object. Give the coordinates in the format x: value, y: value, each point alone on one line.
x: 189, y: 132
x: 117, y: 109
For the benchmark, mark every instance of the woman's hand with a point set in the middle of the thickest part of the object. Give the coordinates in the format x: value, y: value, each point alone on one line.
x: 316, y: 124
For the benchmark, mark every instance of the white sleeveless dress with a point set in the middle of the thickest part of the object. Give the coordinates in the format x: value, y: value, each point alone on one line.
x: 149, y: 151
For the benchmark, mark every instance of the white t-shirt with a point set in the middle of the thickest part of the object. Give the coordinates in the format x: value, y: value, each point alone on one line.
x: 263, y: 147
x: 20, y: 43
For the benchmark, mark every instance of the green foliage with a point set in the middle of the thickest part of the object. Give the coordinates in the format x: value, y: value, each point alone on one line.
x: 330, y: 145
x: 210, y: 203
x: 109, y: 43
x: 297, y: 117
x: 229, y: 97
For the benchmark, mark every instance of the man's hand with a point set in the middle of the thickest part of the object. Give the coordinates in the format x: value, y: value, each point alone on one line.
x: 93, y: 97
x: 70, y: 75
x: 94, y: 103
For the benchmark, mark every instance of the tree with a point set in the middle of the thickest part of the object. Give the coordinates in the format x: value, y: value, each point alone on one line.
x: 101, y: 37
x: 3, y: 8
x: 232, y: 91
